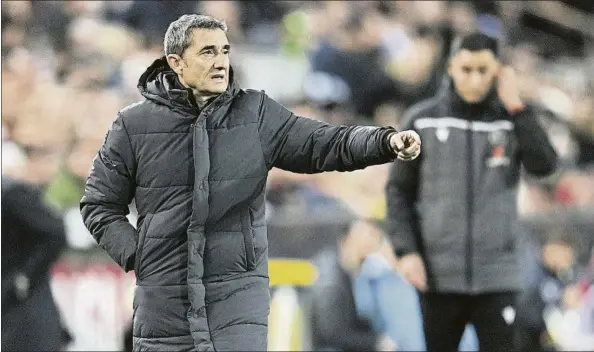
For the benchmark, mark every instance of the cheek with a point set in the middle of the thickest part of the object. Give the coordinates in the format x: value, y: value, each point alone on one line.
x: 486, y: 83
x: 195, y: 71
x: 460, y: 80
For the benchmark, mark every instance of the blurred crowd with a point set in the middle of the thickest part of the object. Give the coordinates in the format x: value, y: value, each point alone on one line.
x: 69, y: 66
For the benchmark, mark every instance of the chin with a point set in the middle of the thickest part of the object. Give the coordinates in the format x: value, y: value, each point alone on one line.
x: 474, y: 100
x: 219, y: 89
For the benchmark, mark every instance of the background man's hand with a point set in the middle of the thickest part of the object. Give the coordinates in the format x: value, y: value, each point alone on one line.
x: 406, y: 144
x: 508, y: 89
x: 413, y: 269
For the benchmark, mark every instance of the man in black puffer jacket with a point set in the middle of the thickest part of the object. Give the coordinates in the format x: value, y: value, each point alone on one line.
x: 195, y: 156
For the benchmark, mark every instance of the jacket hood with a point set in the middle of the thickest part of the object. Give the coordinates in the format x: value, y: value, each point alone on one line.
x: 160, y: 83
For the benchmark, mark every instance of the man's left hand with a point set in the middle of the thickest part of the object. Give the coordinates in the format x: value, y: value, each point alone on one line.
x: 406, y: 145
x: 508, y: 89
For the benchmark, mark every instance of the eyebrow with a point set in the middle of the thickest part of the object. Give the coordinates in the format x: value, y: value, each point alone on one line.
x: 213, y: 47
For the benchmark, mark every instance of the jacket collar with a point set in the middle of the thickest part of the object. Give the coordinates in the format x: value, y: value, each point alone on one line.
x: 159, y: 83
x: 462, y: 108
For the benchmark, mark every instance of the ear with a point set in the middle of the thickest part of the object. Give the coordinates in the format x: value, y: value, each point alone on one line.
x: 176, y: 63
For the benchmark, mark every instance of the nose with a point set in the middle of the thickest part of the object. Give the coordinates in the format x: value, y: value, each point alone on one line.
x: 221, y: 62
x: 476, y: 80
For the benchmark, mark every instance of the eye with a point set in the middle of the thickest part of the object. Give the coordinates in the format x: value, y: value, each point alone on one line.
x: 208, y: 52
x: 482, y: 70
x: 466, y: 69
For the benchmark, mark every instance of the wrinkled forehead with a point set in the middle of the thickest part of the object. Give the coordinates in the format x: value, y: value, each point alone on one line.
x: 484, y: 58
x: 208, y: 37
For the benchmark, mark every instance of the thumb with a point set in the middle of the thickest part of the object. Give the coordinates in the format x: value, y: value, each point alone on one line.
x: 398, y: 143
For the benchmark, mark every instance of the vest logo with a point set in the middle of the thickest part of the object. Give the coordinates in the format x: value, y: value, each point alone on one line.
x: 509, y: 315
x: 442, y: 134
x: 498, y: 140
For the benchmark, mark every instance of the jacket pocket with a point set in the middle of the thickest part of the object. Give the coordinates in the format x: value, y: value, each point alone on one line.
x: 142, y: 230
x: 248, y: 238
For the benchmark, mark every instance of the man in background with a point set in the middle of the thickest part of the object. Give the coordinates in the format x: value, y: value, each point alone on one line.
x: 33, y: 237
x: 452, y: 211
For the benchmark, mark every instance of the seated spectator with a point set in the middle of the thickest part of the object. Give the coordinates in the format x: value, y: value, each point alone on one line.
x: 555, y: 272
x: 335, y: 323
x: 392, y: 304
x: 359, y: 302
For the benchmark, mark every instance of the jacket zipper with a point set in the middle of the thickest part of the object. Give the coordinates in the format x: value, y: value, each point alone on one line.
x: 469, y: 209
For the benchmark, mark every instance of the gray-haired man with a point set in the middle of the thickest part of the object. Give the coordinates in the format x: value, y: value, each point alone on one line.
x: 195, y: 156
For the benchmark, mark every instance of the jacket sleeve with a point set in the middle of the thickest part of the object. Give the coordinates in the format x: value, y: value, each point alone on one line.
x: 536, y: 152
x: 306, y: 145
x: 108, y: 192
x: 401, y: 198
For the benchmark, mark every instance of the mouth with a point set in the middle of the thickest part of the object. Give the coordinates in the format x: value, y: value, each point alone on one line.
x: 219, y: 77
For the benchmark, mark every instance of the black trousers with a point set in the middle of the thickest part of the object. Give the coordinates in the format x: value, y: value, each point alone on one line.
x: 446, y: 315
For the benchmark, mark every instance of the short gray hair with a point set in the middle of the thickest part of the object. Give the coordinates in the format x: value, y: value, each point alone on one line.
x: 179, y: 34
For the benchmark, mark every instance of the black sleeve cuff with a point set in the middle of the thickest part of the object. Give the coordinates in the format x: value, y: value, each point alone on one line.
x: 386, y: 148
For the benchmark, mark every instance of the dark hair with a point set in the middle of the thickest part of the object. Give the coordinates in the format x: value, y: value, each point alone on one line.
x: 376, y: 223
x: 477, y: 42
x: 566, y: 235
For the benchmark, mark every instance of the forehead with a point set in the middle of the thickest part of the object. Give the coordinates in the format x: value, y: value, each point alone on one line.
x: 364, y: 228
x: 207, y: 37
x: 474, y: 58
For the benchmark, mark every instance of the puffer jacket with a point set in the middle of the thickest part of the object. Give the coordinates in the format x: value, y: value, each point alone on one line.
x: 198, y: 178
x: 456, y: 204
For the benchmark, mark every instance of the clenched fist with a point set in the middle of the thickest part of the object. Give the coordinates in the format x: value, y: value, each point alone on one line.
x: 406, y: 145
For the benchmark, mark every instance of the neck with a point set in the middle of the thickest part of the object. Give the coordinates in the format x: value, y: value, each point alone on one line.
x: 202, y: 99
x: 464, y: 105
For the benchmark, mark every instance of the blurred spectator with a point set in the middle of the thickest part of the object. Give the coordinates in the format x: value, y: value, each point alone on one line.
x: 376, y: 286
x: 451, y: 212
x: 32, y: 240
x: 555, y: 275
x: 259, y: 20
x: 356, y: 286
x: 336, y: 324
x: 230, y: 12
x: 352, y: 58
x: 151, y: 18
x: 13, y: 157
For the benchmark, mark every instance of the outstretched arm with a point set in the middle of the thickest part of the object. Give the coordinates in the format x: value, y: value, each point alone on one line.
x: 306, y: 145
